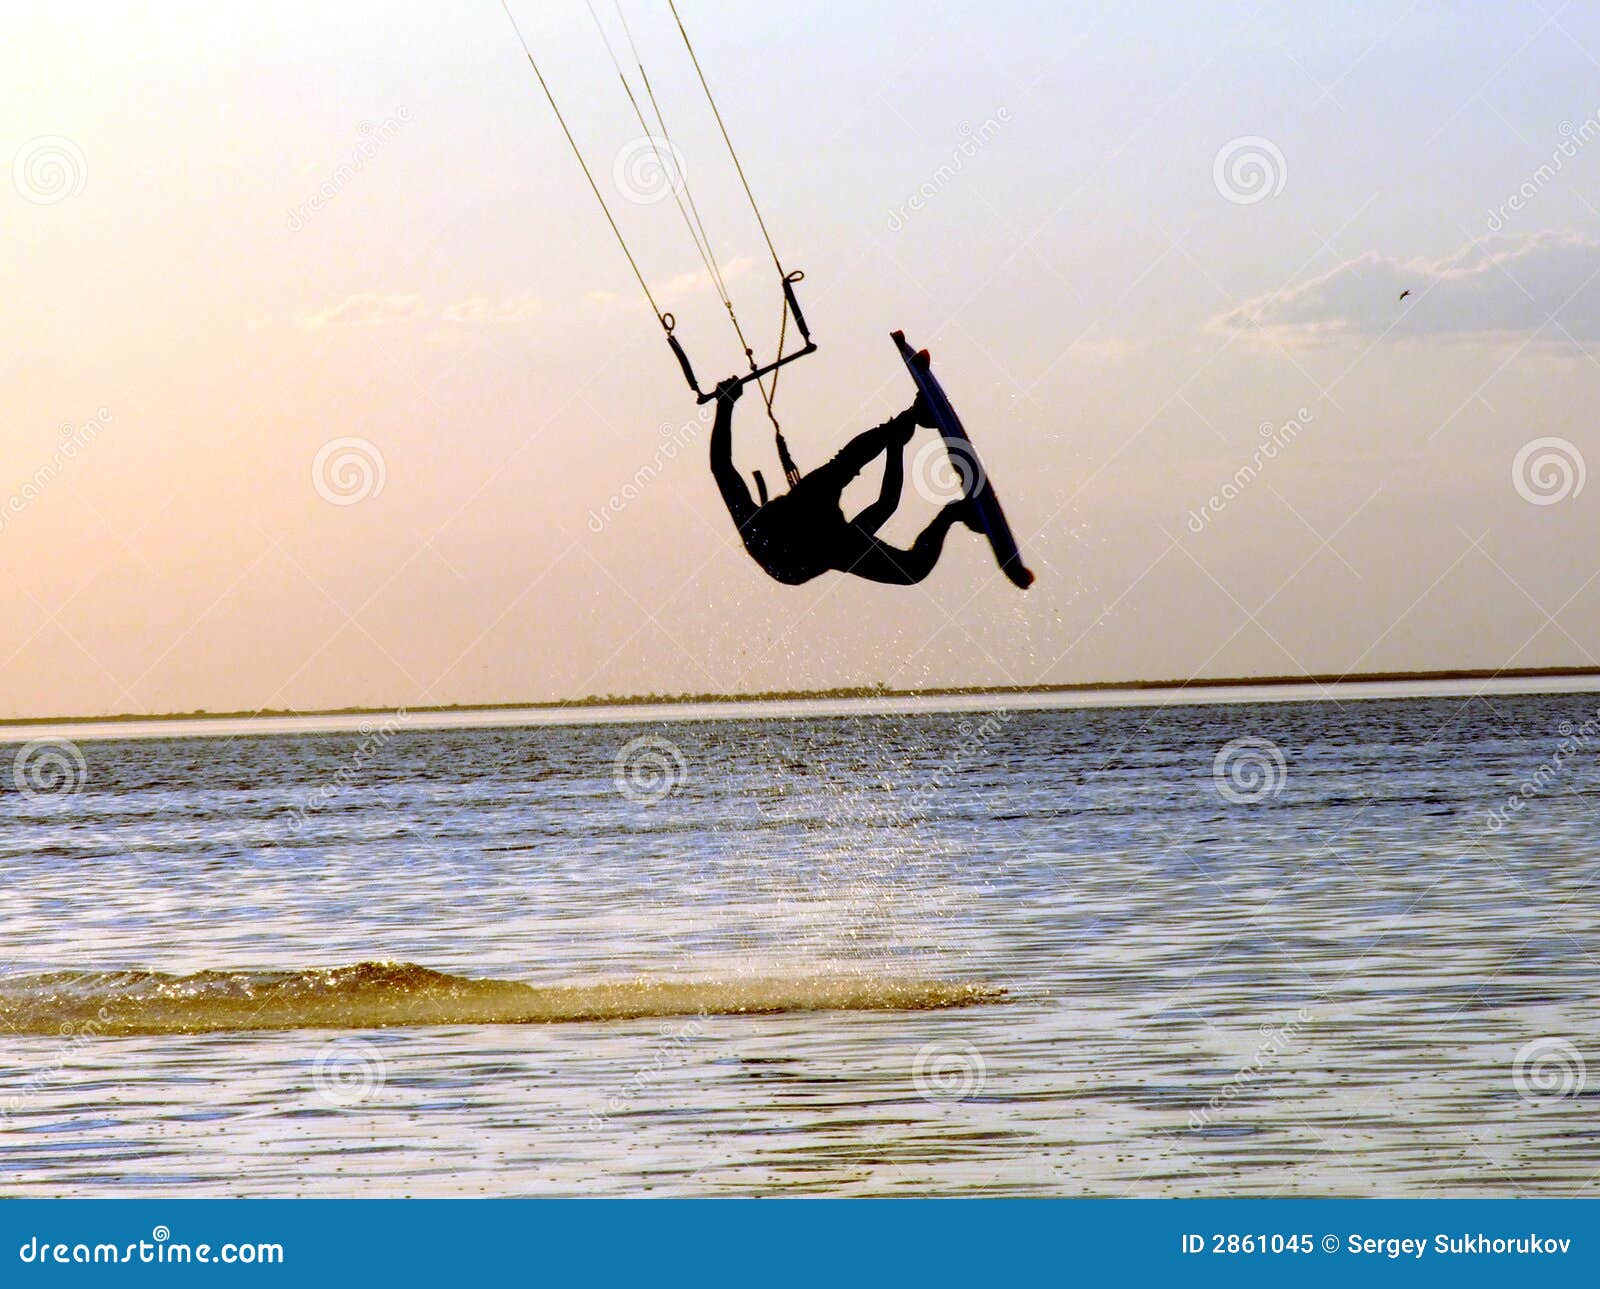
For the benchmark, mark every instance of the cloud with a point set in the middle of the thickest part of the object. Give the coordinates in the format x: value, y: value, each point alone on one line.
x: 1096, y: 352
x: 1497, y: 287
x: 367, y: 309
x: 680, y: 283
x: 376, y: 308
x: 503, y: 312
x: 699, y: 279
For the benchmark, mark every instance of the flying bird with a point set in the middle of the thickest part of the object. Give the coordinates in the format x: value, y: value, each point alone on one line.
x: 1405, y: 293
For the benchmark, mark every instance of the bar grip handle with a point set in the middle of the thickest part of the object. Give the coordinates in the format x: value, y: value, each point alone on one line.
x: 789, y: 279
x: 683, y: 361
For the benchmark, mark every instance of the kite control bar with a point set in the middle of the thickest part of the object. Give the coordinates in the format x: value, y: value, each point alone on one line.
x: 691, y: 215
x: 755, y: 372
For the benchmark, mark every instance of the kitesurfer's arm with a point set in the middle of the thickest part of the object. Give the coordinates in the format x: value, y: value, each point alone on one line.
x: 735, y: 495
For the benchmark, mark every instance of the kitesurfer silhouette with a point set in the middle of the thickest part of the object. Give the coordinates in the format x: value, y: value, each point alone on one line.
x: 803, y: 533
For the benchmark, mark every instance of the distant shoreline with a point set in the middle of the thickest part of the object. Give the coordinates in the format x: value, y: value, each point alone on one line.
x: 1320, y: 680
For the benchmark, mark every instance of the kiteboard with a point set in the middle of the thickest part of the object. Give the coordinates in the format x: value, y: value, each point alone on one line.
x: 964, y: 457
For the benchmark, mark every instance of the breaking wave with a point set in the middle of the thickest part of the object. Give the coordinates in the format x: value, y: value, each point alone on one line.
x: 371, y: 995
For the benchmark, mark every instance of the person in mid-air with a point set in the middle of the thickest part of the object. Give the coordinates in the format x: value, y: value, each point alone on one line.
x: 803, y: 533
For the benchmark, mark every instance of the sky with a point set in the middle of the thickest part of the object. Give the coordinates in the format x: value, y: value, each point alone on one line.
x: 325, y: 384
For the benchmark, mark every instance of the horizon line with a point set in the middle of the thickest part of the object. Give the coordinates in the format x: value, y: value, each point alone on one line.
x: 1317, y: 679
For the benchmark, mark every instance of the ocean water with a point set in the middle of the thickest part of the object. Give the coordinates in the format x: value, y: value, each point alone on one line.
x: 1344, y: 948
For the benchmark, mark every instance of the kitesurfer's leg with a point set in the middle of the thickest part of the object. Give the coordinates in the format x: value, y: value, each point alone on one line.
x: 894, y: 477
x: 877, y: 561
x: 857, y: 454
